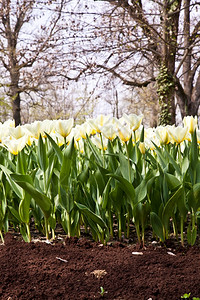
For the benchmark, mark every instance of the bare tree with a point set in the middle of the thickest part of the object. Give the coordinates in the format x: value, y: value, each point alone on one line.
x: 141, y: 42
x: 136, y: 43
x: 29, y: 35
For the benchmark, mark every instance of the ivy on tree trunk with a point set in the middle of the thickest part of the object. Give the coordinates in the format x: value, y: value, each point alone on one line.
x: 165, y: 92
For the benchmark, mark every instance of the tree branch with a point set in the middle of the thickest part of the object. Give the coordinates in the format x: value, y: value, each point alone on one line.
x: 30, y: 62
x: 194, y: 33
x: 124, y: 80
x: 76, y: 78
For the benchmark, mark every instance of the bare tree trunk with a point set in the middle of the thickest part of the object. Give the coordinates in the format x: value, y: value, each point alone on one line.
x: 188, y: 96
x: 166, y: 98
x: 187, y: 62
x: 16, y: 109
x: 165, y: 80
x: 15, y: 94
x: 195, y: 101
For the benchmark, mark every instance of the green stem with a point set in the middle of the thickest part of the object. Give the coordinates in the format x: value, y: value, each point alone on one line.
x: 137, y: 227
x: 46, y: 224
x: 120, y: 226
x: 45, y: 183
x: 129, y: 176
x: 136, y: 147
x: 143, y: 155
x: 78, y: 230
x: 143, y: 236
x: 134, y: 133
x: 182, y: 238
x: 175, y: 227
x: 179, y: 156
x: 68, y: 218
x: 28, y: 232
x: 53, y: 236
x: 129, y: 166
x: 128, y: 224
x: 103, y: 152
x: 65, y: 142
x: 193, y: 218
x: 1, y: 235
x: 110, y: 224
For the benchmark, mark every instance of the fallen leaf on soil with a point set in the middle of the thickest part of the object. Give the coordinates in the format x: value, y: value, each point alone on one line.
x: 61, y: 259
x: 153, y: 243
x: 41, y: 241
x: 99, y: 273
x: 137, y: 253
x: 171, y: 253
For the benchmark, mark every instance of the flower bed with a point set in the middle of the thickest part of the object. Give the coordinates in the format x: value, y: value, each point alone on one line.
x: 102, y: 172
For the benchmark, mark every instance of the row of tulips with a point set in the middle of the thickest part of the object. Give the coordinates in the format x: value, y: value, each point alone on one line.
x: 102, y: 172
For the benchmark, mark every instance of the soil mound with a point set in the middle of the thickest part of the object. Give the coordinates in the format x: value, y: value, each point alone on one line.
x: 81, y: 269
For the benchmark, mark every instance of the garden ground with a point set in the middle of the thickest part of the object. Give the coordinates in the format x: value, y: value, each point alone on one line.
x: 81, y: 269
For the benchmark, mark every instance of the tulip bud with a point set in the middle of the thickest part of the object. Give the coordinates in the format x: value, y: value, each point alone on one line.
x: 191, y: 123
x: 142, y: 148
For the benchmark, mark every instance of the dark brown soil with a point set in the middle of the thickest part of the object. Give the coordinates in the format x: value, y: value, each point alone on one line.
x: 76, y: 269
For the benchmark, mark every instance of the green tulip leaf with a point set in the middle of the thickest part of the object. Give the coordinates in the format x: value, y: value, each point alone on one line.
x: 95, y: 152
x: 194, y: 151
x: 174, y: 163
x: 169, y: 207
x: 191, y: 234
x: 24, y: 181
x: 66, y: 200
x: 42, y: 155
x: 56, y: 148
x: 13, y: 185
x: 24, y: 208
x: 172, y: 181
x: 124, y: 166
x: 15, y: 213
x: 67, y: 164
x: 141, y: 191
x: 91, y: 215
x: 157, y: 225
x: 105, y: 195
x: 127, y: 187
